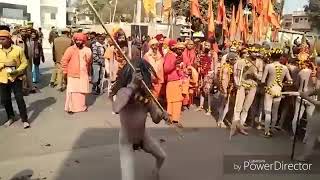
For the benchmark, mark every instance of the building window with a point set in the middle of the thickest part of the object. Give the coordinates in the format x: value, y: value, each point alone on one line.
x: 287, y: 24
x: 306, y: 19
x: 296, y: 20
x: 301, y: 19
x: 53, y: 15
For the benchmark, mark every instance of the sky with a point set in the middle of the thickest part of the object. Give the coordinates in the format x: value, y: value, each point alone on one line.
x: 293, y: 5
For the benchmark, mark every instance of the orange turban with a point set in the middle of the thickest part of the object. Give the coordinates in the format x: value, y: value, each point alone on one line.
x: 80, y: 37
x: 153, y: 41
x: 4, y: 33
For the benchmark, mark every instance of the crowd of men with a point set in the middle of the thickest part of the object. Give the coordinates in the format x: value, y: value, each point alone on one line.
x: 248, y: 81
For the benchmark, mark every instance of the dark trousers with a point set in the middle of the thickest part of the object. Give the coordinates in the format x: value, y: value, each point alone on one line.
x: 5, y: 92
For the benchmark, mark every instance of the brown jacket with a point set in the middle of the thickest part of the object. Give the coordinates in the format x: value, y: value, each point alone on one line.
x: 60, y: 45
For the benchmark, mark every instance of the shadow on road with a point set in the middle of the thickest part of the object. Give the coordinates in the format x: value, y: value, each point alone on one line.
x: 23, y: 175
x: 38, y: 106
x: 91, y: 99
x: 199, y: 155
x: 44, y: 81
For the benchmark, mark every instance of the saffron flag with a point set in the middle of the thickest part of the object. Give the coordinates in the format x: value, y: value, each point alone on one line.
x: 246, y: 29
x: 225, y: 24
x: 167, y: 6
x: 221, y: 12
x: 240, y: 22
x: 195, y: 8
x: 233, y: 25
x: 272, y: 17
x: 150, y: 7
x: 211, y: 27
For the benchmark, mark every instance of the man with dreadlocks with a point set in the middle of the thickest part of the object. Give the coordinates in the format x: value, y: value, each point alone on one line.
x: 133, y: 103
x: 246, y: 79
x: 305, y: 83
x: 226, y: 86
x: 276, y: 72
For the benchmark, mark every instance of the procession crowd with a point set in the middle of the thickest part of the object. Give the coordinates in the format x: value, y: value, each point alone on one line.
x: 248, y: 81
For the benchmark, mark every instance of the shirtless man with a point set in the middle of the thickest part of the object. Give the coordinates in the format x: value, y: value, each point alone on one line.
x: 226, y: 80
x: 306, y: 84
x: 246, y: 80
x: 313, y: 126
x: 133, y: 104
x: 257, y: 111
x: 276, y: 72
x: 289, y: 101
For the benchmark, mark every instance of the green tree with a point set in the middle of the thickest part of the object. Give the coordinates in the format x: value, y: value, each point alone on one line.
x: 313, y: 10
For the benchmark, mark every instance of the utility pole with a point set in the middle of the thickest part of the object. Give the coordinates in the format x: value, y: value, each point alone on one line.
x: 138, y: 15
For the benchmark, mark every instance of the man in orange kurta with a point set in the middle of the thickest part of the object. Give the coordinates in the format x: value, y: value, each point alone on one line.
x: 154, y: 57
x: 173, y: 75
x: 76, y: 63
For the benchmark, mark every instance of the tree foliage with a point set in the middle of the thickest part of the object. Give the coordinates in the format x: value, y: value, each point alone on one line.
x: 313, y: 10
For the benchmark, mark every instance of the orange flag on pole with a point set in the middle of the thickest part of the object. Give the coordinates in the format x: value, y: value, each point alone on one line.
x: 259, y: 6
x: 167, y: 5
x: 246, y: 29
x: 195, y: 8
x: 233, y: 25
x: 225, y: 24
x: 272, y: 17
x: 221, y: 12
x: 240, y: 21
x: 254, y: 25
x: 211, y: 27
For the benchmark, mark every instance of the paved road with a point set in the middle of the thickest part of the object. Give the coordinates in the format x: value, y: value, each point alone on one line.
x: 84, y: 146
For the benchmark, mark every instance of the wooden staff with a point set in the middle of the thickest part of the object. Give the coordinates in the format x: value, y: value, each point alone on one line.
x: 128, y: 61
x: 298, y: 124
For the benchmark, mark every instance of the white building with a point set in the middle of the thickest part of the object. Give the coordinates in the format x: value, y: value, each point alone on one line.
x: 44, y: 13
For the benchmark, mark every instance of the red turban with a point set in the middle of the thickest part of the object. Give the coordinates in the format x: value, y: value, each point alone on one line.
x: 159, y: 37
x: 172, y: 43
x: 80, y: 37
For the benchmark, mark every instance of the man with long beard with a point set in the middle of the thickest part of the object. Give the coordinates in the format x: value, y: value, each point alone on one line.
x: 154, y: 57
x: 76, y: 64
x: 133, y: 104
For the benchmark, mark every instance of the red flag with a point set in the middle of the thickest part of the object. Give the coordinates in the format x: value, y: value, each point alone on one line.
x: 233, y: 25
x: 195, y: 8
x: 221, y: 12
x: 211, y: 27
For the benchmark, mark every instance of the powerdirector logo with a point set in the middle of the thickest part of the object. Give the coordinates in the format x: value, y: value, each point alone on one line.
x: 269, y: 165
